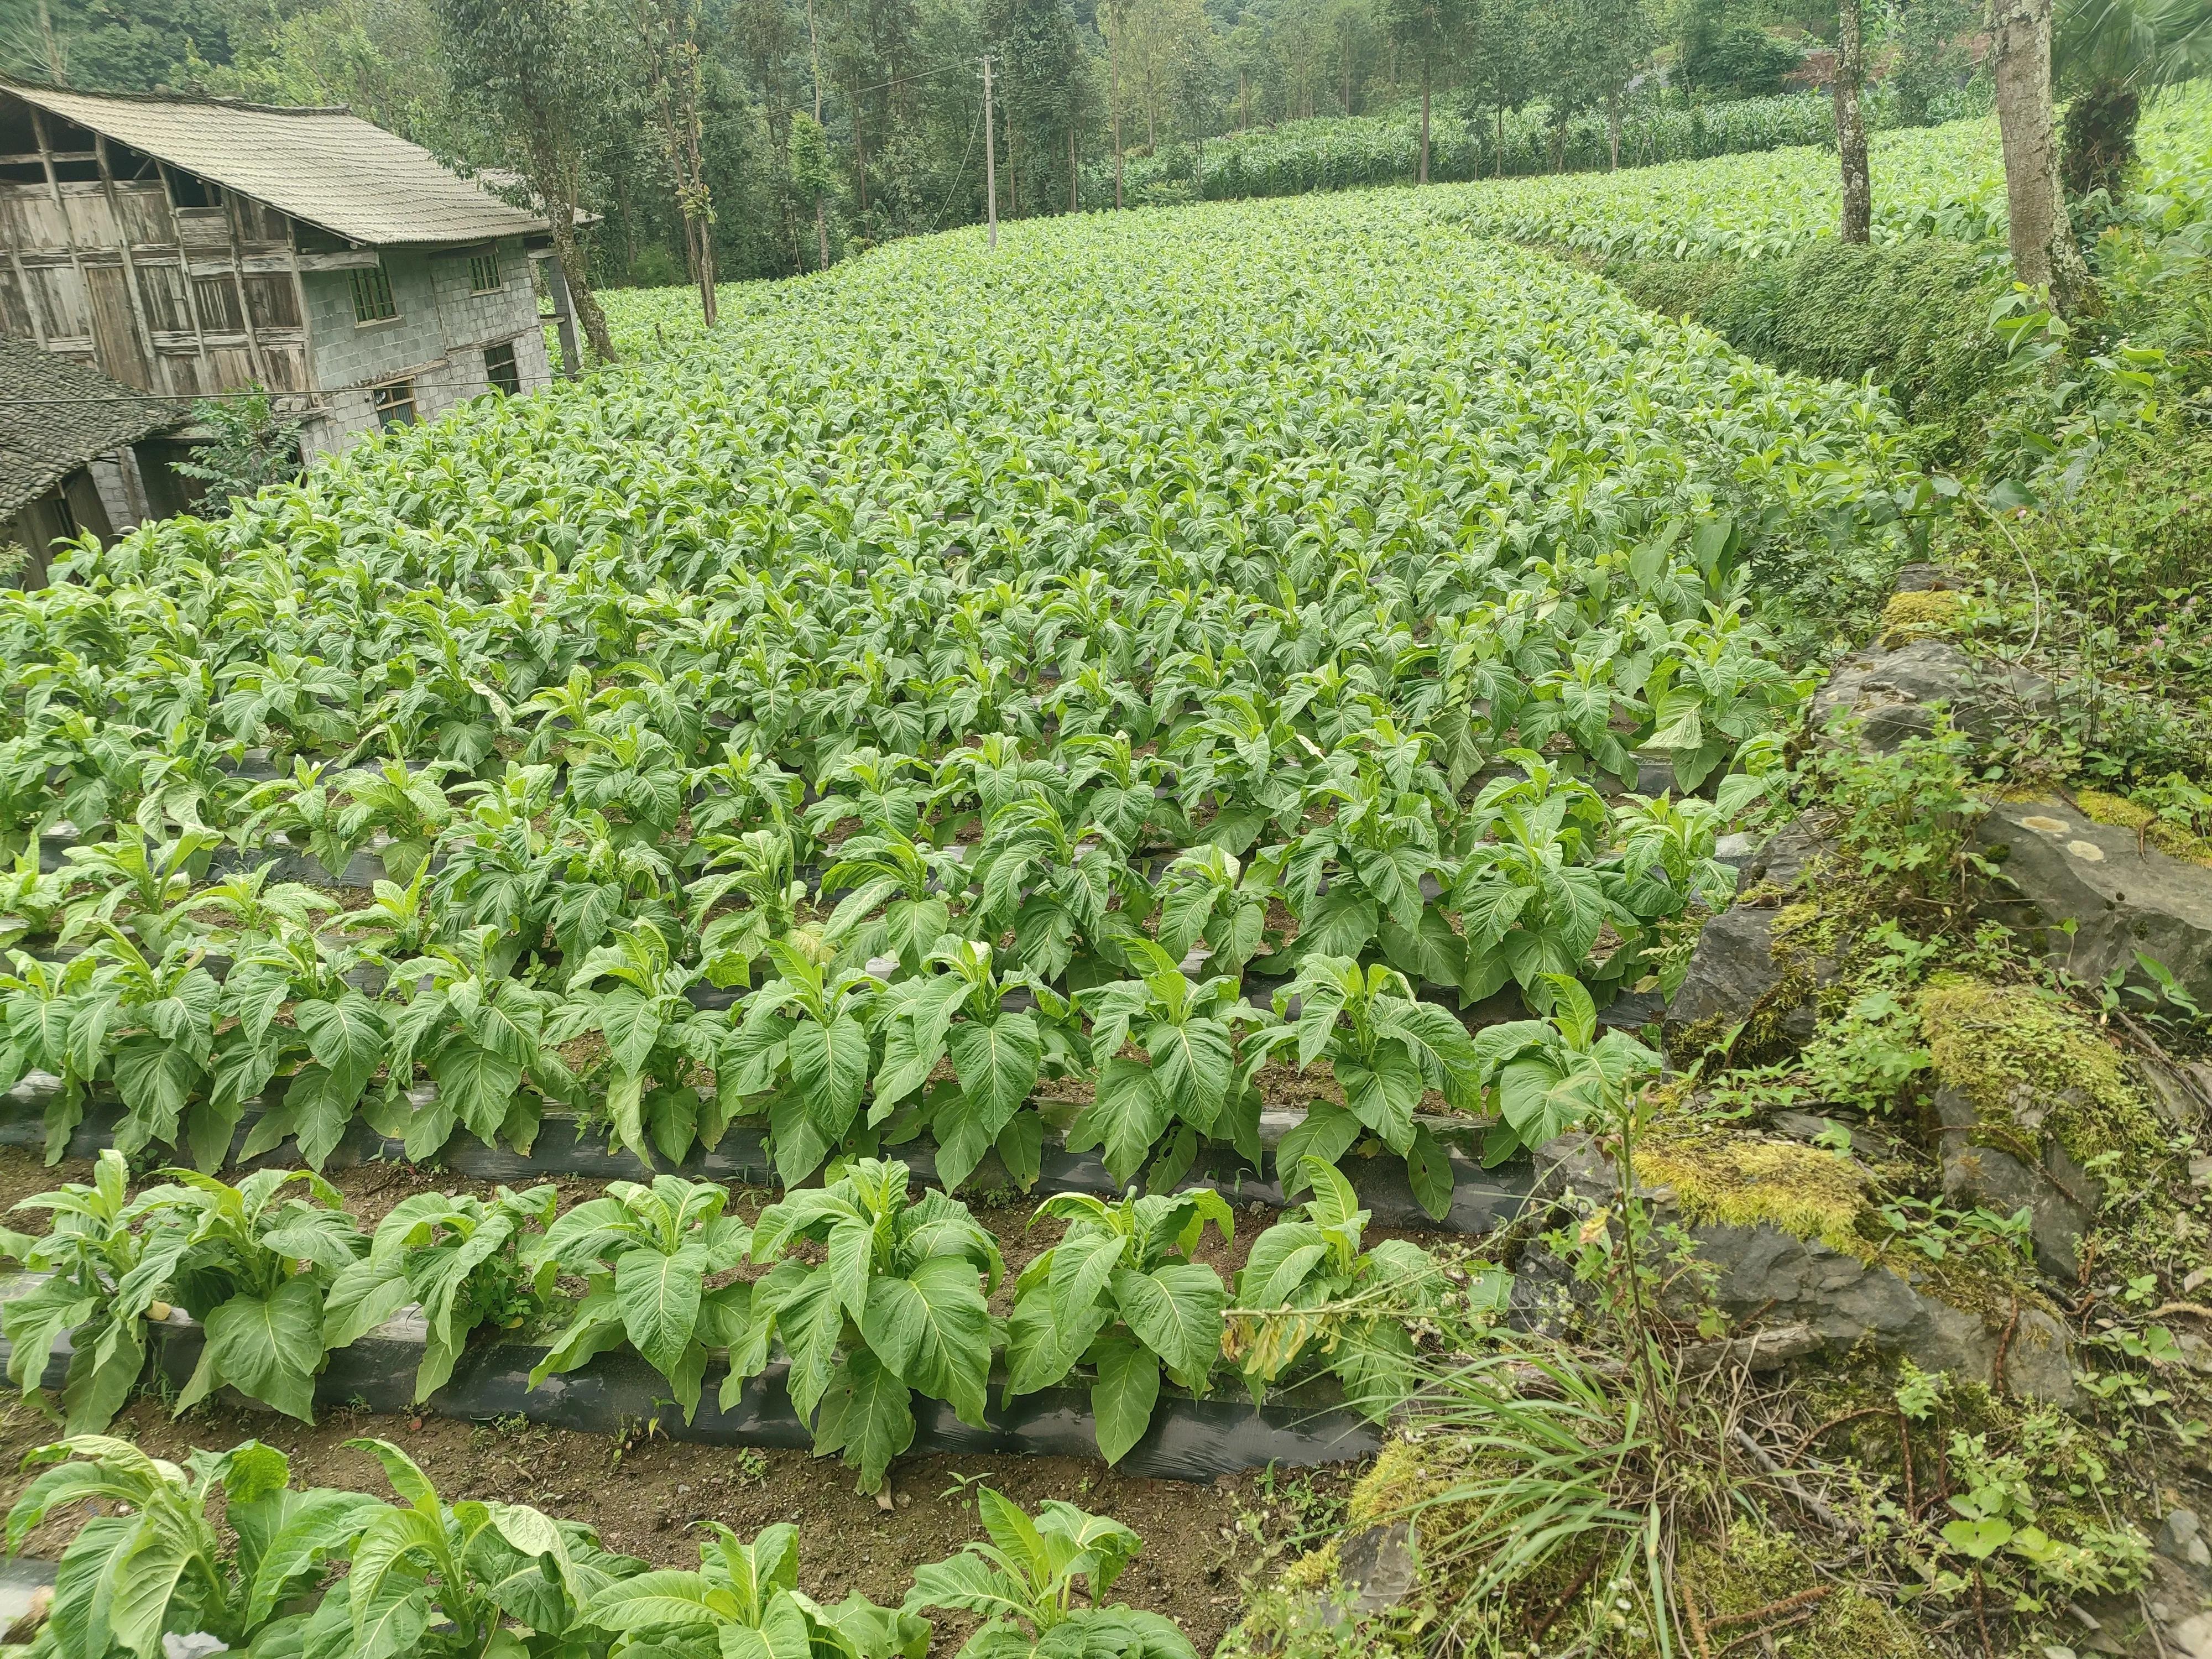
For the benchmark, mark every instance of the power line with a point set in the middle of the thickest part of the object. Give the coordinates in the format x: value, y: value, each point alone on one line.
x: 895, y: 80
x: 962, y: 172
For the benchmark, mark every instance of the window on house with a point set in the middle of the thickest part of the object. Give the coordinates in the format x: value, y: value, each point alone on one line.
x: 483, y: 273
x: 395, y: 404
x: 372, y: 294
x: 189, y: 189
x: 500, y: 374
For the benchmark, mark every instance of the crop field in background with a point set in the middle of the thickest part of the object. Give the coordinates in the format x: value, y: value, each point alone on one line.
x: 1946, y: 181
x: 1346, y: 152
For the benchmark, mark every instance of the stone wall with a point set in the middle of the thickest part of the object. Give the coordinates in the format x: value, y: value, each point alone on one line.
x: 438, y: 340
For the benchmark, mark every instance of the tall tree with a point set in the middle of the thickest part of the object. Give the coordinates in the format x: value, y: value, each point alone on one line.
x: 1036, y: 48
x: 2107, y: 55
x: 1850, y: 123
x: 2044, y: 254
x: 1431, y: 32
x: 812, y: 176
x: 1113, y: 22
x: 1600, y: 45
x: 670, y: 32
x: 1503, y: 71
x: 538, y: 68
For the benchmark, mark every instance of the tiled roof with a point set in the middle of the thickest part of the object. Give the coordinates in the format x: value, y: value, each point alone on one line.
x: 56, y: 415
x: 324, y: 167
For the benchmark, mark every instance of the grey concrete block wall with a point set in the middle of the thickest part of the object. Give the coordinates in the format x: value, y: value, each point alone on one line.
x: 438, y: 339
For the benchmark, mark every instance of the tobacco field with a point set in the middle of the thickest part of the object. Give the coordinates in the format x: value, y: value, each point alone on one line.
x: 1250, y: 695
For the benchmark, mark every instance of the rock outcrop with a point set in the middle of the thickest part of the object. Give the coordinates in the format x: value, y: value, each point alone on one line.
x: 1768, y: 1274
x: 1893, y: 692
x: 2055, y: 866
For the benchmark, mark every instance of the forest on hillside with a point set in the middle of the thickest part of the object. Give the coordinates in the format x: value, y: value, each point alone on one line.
x: 809, y: 129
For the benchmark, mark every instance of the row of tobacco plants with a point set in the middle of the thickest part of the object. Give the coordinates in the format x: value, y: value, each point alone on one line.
x: 865, y: 1292
x: 228, y: 1555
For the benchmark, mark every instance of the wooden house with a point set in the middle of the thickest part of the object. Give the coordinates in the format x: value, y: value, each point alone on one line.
x: 188, y: 247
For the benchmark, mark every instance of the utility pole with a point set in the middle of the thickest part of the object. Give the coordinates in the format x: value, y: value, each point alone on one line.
x: 990, y: 155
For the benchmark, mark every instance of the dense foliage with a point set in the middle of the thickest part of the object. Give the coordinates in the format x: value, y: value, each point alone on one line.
x: 884, y: 676
x: 227, y: 1555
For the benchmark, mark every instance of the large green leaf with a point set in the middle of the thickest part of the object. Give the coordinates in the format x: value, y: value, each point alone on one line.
x: 868, y: 1415
x: 476, y: 1084
x: 1125, y: 1117
x: 658, y: 1297
x: 1176, y: 1311
x: 1192, y: 1064
x: 829, y: 1068
x: 997, y: 1063
x: 932, y: 1329
x: 268, y: 1348
x: 347, y: 1036
x: 1122, y: 1398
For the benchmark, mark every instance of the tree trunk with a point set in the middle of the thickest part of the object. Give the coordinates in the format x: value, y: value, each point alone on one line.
x: 53, y: 46
x: 1500, y: 173
x: 2045, y: 255
x: 1613, y: 129
x: 557, y: 195
x: 822, y: 234
x: 586, y: 304
x: 1850, y: 124
x: 1114, y: 98
x: 1424, y: 179
x: 1074, y: 202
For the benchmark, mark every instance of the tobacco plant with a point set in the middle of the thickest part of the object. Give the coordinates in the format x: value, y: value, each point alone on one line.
x: 164, y: 1565
x: 1120, y: 1296
x: 253, y: 1270
x: 1308, y: 1291
x: 894, y: 1308
x: 745, y: 1600
x: 645, y: 1254
x: 93, y: 1295
x: 802, y: 1054
x: 424, y: 1577
x: 634, y: 997
x: 460, y: 1261
x: 1189, y: 1083
x: 1040, y: 1585
x: 998, y: 1055
x: 1385, y: 1049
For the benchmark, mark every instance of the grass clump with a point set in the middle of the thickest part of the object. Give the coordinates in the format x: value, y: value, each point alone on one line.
x: 2028, y: 1061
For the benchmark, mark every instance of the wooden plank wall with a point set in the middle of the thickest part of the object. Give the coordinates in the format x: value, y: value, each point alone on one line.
x: 102, y: 264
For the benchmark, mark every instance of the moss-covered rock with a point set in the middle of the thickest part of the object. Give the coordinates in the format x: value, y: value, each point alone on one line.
x: 2121, y: 813
x: 2035, y: 1069
x: 1917, y: 615
x: 2035, y: 1111
x: 1756, y: 1569
x: 1735, y: 1180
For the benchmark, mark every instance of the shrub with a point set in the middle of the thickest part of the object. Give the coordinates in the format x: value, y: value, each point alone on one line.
x: 1915, y: 316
